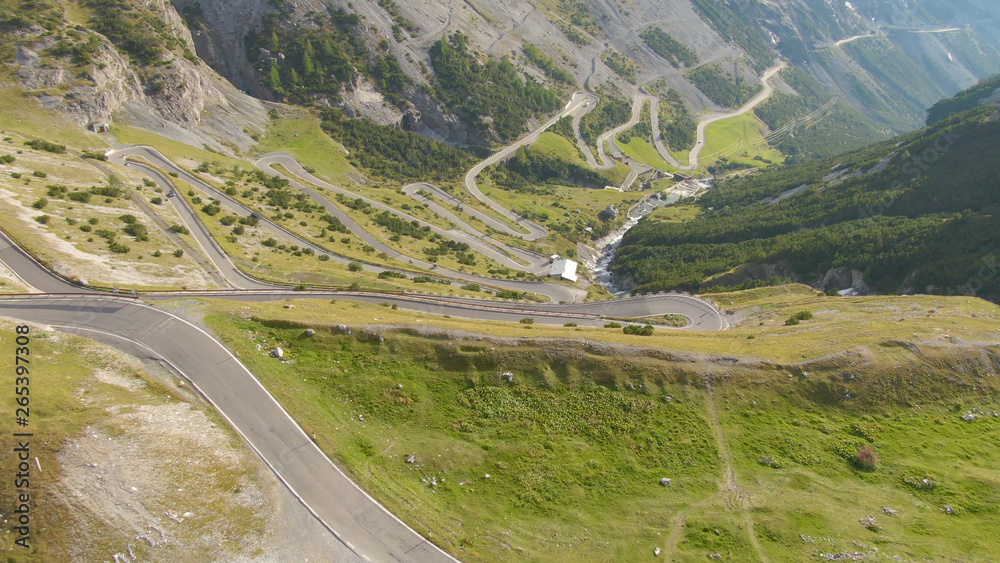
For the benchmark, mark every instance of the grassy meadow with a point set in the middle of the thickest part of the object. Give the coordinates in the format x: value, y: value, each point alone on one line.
x: 549, y: 443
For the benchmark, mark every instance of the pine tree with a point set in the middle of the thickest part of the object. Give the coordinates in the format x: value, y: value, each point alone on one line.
x: 308, y: 66
x: 275, y: 78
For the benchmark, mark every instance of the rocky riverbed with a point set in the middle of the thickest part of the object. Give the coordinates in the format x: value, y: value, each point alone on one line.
x: 598, y: 256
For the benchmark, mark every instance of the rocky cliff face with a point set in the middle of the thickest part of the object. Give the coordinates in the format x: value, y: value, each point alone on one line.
x: 179, y: 97
x: 218, y: 29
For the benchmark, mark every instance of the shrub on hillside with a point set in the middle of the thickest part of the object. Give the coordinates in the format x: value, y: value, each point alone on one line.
x: 866, y: 458
x: 798, y: 317
x: 646, y: 330
x: 46, y: 146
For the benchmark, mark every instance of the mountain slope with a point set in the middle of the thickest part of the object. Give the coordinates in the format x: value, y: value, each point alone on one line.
x: 916, y: 213
x: 891, y: 76
x: 104, y: 61
x: 374, y: 58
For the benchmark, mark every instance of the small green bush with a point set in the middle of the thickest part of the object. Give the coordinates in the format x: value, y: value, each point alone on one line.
x: 47, y: 146
x: 355, y: 266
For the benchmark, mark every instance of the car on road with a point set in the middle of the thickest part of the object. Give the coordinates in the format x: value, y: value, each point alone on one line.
x: 171, y: 193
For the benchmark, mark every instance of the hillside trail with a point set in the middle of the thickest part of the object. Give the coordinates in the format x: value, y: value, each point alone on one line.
x: 730, y: 494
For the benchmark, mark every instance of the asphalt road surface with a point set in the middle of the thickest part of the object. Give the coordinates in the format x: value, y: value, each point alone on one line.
x: 703, y: 316
x: 360, y: 522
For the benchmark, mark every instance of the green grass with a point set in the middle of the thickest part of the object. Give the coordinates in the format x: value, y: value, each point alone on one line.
x: 739, y: 139
x: 299, y: 134
x: 589, y: 201
x: 556, y: 146
x: 576, y: 444
x: 840, y: 323
x: 182, y: 154
x: 564, y: 446
x: 675, y: 213
x: 22, y: 114
x: 641, y: 150
x: 815, y: 492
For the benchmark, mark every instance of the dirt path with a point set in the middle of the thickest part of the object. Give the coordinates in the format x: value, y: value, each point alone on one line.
x: 732, y: 496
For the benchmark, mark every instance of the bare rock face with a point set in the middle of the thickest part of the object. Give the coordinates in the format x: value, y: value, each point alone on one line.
x: 181, y: 99
x: 27, y: 58
x: 218, y: 35
x: 845, y: 278
x: 435, y: 121
x: 365, y: 100
x: 110, y: 83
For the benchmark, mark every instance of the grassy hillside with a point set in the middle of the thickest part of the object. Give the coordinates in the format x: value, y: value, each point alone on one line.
x: 917, y: 212
x: 563, y: 457
x: 964, y: 101
x: 840, y: 129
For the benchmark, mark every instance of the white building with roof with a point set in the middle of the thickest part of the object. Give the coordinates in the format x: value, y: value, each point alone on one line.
x: 563, y: 268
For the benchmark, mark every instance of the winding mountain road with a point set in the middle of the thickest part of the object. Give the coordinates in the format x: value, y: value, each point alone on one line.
x: 640, y: 99
x: 707, y: 120
x: 535, y: 232
x: 555, y: 292
x: 365, y: 528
